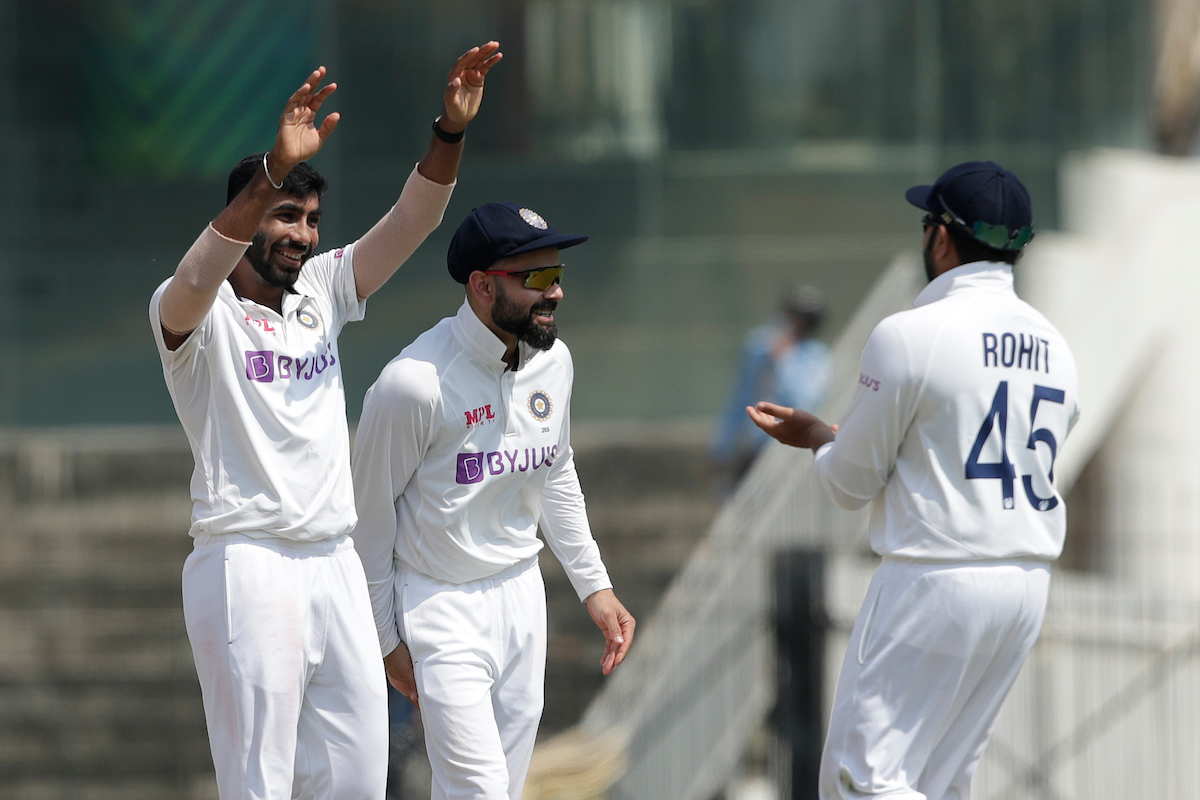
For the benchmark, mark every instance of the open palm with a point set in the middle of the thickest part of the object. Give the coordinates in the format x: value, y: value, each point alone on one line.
x: 298, y: 137
x: 464, y: 84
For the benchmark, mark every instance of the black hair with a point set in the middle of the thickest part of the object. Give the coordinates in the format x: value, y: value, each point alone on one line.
x: 807, y: 304
x: 302, y: 181
x: 970, y: 249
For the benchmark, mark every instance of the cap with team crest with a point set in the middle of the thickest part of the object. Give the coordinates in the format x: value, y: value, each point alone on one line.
x: 499, y: 230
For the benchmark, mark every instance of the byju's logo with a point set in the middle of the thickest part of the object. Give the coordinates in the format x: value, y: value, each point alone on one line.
x: 470, y: 468
x: 260, y: 365
x: 473, y: 466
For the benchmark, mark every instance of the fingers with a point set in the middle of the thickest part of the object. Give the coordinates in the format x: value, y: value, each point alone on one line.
x: 782, y: 412
x: 405, y: 685
x: 765, y: 421
x: 307, y: 95
x: 480, y: 59
x: 618, y: 626
x: 328, y: 125
x: 301, y: 95
x: 628, y: 623
x: 319, y: 97
x: 475, y: 75
x: 464, y: 62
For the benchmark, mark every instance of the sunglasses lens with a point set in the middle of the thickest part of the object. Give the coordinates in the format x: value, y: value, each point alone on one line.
x: 997, y: 236
x: 543, y: 278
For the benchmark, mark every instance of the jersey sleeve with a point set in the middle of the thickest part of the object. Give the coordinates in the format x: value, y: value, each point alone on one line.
x: 564, y: 519
x: 393, y: 435
x: 184, y: 360
x: 854, y: 468
x: 331, y: 275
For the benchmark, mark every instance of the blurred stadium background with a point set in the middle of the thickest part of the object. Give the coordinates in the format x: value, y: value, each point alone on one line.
x: 718, y: 152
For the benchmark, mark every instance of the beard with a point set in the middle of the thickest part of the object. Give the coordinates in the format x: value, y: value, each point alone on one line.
x: 509, y: 317
x: 259, y: 256
x: 927, y: 254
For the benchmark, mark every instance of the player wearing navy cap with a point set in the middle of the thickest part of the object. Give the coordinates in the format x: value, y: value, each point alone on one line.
x: 961, y: 407
x: 462, y: 451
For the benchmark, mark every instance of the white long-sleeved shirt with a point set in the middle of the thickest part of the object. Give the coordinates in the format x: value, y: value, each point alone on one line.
x: 961, y: 407
x: 260, y: 394
x: 458, y: 458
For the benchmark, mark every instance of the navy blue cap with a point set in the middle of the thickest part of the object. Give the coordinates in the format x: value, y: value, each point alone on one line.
x: 499, y: 230
x: 989, y: 203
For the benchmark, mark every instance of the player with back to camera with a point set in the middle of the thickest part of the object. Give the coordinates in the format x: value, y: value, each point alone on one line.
x: 463, y: 448
x: 962, y: 404
x: 274, y: 595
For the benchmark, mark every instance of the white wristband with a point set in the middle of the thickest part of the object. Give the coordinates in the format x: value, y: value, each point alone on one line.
x: 269, y: 178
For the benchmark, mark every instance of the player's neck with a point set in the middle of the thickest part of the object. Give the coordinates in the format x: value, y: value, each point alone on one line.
x: 484, y: 314
x: 250, y: 286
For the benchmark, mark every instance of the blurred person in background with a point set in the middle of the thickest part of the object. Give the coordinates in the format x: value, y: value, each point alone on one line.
x: 783, y: 362
x: 275, y: 599
x: 463, y: 451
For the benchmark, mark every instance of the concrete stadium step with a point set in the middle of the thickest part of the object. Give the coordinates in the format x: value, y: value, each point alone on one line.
x: 98, y: 692
x: 74, y: 727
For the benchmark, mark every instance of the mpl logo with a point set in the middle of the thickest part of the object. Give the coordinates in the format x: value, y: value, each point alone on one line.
x: 480, y: 415
x: 260, y: 365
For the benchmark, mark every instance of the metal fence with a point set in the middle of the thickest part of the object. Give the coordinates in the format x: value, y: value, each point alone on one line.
x: 702, y: 677
x: 1103, y: 709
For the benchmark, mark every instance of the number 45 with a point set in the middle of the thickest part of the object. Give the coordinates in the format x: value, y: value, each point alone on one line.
x: 1003, y: 469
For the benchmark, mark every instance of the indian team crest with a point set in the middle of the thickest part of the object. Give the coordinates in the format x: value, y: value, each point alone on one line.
x: 533, y: 218
x: 308, y: 318
x: 540, y: 405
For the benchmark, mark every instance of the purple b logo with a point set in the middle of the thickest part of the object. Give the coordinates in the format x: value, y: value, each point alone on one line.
x: 470, y: 468
x: 260, y: 365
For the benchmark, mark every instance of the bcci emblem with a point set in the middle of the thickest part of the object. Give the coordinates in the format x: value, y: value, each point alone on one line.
x: 533, y: 218
x: 540, y: 405
x: 308, y: 319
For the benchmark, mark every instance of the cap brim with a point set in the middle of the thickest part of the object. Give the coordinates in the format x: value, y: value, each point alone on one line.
x: 919, y: 196
x: 559, y: 240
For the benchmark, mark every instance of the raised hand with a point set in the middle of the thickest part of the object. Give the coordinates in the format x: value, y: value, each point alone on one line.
x: 464, y: 85
x: 298, y: 138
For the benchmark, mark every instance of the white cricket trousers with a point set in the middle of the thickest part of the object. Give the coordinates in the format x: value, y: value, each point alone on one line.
x: 479, y: 657
x: 932, y: 655
x: 288, y: 660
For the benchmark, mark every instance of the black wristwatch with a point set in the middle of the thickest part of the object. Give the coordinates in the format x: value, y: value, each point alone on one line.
x: 446, y: 136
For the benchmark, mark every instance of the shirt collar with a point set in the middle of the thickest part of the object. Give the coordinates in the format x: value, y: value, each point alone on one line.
x: 479, y: 340
x: 987, y: 276
x: 287, y: 290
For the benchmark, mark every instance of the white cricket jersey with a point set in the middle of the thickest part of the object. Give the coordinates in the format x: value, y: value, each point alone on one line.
x: 261, y: 398
x: 961, y: 407
x: 458, y: 458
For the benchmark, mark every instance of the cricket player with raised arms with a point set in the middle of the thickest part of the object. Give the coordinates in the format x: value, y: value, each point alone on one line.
x: 462, y: 451
x: 274, y: 595
x: 962, y: 405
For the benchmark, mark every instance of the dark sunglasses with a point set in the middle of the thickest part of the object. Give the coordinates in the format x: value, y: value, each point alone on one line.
x: 995, y: 236
x: 541, y: 278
